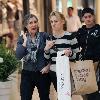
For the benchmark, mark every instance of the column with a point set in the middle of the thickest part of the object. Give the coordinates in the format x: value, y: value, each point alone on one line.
x: 40, y: 5
x: 97, y: 2
x: 54, y: 5
x: 25, y: 6
x: 64, y: 7
x: 75, y: 4
x: 47, y: 11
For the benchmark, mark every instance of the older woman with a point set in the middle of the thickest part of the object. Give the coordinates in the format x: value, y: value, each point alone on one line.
x: 30, y: 47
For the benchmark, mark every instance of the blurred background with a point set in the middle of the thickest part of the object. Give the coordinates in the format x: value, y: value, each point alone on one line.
x: 11, y: 16
x: 12, y: 12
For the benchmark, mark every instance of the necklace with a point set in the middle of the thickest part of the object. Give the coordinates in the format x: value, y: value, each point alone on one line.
x: 59, y: 35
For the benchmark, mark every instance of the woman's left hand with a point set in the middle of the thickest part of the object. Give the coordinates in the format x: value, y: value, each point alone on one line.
x: 68, y: 52
x: 45, y: 69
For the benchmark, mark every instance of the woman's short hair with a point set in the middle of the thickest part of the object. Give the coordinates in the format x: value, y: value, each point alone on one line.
x: 27, y: 18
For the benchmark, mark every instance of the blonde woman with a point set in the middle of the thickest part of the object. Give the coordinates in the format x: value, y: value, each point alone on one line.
x: 58, y: 41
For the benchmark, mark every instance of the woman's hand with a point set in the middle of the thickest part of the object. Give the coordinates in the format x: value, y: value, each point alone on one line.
x: 45, y: 69
x: 49, y: 44
x: 68, y: 52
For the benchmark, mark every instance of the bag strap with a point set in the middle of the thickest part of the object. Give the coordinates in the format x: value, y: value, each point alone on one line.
x: 98, y: 72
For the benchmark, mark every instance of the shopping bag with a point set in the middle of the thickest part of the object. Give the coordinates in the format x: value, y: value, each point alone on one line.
x: 63, y: 76
x: 83, y: 76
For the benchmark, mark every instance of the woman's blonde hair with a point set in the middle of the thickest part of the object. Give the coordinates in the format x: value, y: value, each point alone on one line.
x: 58, y: 15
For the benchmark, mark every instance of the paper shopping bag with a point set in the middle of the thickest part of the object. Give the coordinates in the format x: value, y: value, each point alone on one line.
x: 63, y: 77
x: 84, y: 78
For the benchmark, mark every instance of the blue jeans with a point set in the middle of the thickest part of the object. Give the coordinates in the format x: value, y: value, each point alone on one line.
x: 53, y: 78
x: 29, y: 80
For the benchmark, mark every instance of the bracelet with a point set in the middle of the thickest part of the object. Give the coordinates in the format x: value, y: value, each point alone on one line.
x: 46, y: 51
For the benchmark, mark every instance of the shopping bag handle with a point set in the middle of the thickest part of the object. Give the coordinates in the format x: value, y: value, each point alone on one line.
x: 61, y: 53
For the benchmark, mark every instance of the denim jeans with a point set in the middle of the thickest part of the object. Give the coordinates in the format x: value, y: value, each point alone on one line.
x: 53, y: 79
x: 29, y: 80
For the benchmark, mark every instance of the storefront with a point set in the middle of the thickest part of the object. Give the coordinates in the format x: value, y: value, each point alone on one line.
x: 42, y: 9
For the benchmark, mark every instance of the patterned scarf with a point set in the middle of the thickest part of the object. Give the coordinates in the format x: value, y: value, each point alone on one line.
x: 32, y: 48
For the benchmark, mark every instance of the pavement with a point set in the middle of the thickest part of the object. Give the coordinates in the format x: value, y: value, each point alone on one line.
x: 15, y: 95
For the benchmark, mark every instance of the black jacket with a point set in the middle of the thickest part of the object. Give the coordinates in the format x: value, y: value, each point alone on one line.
x: 89, y: 40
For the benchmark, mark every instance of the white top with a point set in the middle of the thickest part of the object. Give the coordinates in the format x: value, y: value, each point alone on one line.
x: 73, y: 23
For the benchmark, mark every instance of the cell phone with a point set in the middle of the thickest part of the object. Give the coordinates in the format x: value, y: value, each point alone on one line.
x: 25, y: 30
x: 50, y: 37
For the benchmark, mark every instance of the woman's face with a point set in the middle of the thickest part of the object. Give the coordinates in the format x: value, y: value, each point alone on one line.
x: 32, y: 25
x: 88, y: 19
x: 56, y: 23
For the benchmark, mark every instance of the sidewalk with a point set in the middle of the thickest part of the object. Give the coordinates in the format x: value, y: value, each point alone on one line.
x: 15, y: 95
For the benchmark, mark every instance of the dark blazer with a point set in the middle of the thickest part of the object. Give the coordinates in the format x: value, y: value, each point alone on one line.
x: 22, y: 51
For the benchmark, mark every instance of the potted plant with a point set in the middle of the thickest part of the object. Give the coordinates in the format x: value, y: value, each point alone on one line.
x: 8, y: 65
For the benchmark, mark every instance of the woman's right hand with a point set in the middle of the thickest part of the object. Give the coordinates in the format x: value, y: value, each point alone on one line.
x: 49, y: 44
x: 24, y: 35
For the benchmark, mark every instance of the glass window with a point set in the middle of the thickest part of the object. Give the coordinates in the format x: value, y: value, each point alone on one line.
x: 59, y: 5
x: 69, y: 3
